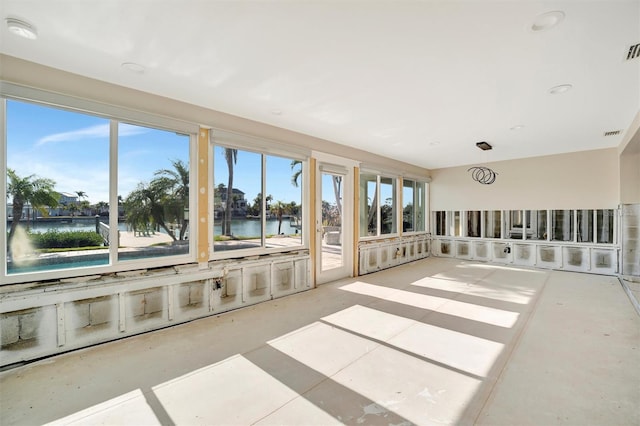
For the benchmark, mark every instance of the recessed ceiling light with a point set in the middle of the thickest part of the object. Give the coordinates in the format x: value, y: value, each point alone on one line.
x: 547, y: 20
x: 133, y: 67
x: 22, y: 28
x: 518, y: 127
x: 560, y: 89
x: 276, y: 111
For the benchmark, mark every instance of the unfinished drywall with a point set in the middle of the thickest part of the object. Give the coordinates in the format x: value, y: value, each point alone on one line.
x: 49, y: 318
x: 587, y: 179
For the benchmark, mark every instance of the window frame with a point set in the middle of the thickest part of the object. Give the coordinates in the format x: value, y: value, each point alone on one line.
x: 489, y: 216
x: 397, y: 219
x: 115, y: 115
x: 220, y: 139
x: 443, y: 224
x: 362, y: 225
x: 531, y: 220
x: 468, y: 219
x: 419, y: 189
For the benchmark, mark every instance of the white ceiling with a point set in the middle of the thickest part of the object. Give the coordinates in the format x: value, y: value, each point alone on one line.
x: 418, y: 81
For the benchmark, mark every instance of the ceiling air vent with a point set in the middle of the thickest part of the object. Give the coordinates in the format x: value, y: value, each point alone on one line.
x: 634, y: 52
x: 613, y: 133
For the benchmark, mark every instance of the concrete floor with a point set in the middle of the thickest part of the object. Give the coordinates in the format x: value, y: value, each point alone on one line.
x: 437, y: 341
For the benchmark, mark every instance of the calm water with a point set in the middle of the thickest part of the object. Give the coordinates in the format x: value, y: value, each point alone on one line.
x: 250, y: 228
x: 238, y: 227
x: 78, y: 224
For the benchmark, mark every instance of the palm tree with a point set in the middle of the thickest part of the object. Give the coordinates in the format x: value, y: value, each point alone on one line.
x: 296, y: 173
x: 280, y: 209
x: 73, y: 209
x: 137, y: 208
x: 32, y: 190
x: 373, y: 211
x: 231, y: 155
x: 145, y: 206
x: 178, y: 182
x: 102, y: 206
x: 82, y: 196
x: 85, y: 207
x: 256, y: 207
x: 336, y: 180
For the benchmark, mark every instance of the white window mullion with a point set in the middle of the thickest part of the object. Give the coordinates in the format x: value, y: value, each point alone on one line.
x: 399, y: 204
x: 114, y: 213
x: 379, y: 205
x: 263, y: 188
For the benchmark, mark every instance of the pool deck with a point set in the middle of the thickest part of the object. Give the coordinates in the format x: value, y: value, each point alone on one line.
x: 130, y: 239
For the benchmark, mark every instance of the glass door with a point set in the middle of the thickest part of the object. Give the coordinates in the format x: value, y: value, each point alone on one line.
x: 333, y: 235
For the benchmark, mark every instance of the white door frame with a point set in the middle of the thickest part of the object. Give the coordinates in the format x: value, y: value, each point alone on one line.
x: 345, y: 170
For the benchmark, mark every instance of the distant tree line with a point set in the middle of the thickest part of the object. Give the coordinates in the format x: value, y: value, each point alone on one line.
x: 160, y: 204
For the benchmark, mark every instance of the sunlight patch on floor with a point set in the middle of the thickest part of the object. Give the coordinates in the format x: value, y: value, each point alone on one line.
x: 461, y: 351
x: 129, y: 408
x: 493, y: 316
x: 504, y: 293
x: 419, y: 391
x: 400, y: 383
x: 323, y: 348
x: 234, y: 391
x: 300, y: 411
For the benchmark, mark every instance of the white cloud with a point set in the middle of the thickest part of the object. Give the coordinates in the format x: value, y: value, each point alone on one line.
x: 93, y: 132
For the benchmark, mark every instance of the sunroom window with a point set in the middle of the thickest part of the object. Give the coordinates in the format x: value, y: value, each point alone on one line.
x: 456, y: 223
x: 584, y: 226
x: 440, y: 223
x: 492, y: 223
x: 562, y: 225
x: 368, y: 205
x: 378, y: 205
x: 244, y: 218
x: 536, y: 225
x: 413, y: 205
x: 604, y: 226
x: 153, y: 180
x: 67, y: 208
x: 473, y: 223
x: 57, y: 173
x: 515, y: 224
x: 388, y: 218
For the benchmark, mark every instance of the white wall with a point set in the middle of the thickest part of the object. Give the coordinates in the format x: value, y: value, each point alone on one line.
x: 30, y: 74
x: 588, y: 179
x: 630, y: 177
x: 630, y: 168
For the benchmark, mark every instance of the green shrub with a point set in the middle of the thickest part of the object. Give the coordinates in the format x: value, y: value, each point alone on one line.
x: 71, y: 239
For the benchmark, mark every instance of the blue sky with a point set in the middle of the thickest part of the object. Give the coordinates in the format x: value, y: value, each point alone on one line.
x: 73, y: 149
x: 247, y: 175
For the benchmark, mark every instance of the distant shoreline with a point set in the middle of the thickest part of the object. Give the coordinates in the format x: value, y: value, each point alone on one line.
x: 63, y: 219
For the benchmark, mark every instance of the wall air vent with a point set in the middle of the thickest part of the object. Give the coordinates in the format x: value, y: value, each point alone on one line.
x: 634, y: 52
x: 613, y: 133
x: 484, y: 146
